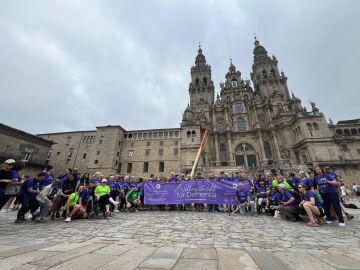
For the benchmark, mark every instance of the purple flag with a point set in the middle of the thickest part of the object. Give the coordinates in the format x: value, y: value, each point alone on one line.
x: 187, y: 192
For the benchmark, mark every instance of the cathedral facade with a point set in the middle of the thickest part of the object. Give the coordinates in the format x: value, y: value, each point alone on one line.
x: 252, y: 124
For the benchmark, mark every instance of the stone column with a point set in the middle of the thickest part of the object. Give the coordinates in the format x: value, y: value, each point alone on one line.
x: 217, y: 158
x: 231, y: 154
x: 277, y: 149
x: 262, y: 151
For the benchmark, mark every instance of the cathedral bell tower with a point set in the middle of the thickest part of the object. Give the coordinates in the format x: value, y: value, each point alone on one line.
x: 266, y: 76
x: 201, y: 88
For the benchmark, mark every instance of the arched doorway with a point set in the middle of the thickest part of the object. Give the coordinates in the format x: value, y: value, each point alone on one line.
x: 245, y: 155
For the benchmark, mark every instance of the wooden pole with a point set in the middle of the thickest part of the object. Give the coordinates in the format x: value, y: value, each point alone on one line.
x: 198, y: 154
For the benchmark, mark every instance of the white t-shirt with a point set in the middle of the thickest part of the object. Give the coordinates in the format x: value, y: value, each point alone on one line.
x: 343, y: 190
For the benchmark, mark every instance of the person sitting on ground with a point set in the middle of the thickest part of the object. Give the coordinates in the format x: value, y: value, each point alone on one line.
x: 73, y: 207
x: 311, y: 207
x: 243, y: 198
x: 28, y: 193
x: 45, y: 197
x: 102, y: 195
x: 288, y: 208
x: 133, y: 198
x: 8, y: 176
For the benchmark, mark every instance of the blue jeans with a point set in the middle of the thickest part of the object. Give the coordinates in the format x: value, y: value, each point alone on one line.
x: 44, y: 209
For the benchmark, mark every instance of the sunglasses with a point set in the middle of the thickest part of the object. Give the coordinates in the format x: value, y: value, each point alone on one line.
x: 300, y: 187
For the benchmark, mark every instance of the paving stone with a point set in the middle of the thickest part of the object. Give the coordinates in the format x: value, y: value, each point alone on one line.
x: 7, y: 247
x: 31, y: 267
x: 65, y: 246
x: 129, y: 260
x: 21, y: 250
x: 266, y: 261
x: 85, y: 262
x: 234, y: 259
x: 164, y: 257
x: 113, y: 249
x: 69, y: 255
x: 301, y: 261
x: 339, y: 261
x: 25, y: 258
x: 199, y: 253
x: 196, y: 264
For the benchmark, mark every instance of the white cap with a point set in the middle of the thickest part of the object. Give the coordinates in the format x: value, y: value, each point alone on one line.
x: 9, y: 161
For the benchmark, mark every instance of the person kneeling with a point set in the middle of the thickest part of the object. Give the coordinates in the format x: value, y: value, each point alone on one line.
x: 73, y: 208
x: 133, y: 198
x: 288, y: 208
x: 243, y: 198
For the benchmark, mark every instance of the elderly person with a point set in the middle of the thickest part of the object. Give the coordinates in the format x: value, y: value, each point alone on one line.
x: 102, y: 195
x: 45, y: 197
x: 308, y: 182
x: 133, y: 198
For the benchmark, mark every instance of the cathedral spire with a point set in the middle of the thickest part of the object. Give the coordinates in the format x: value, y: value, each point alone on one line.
x: 200, y: 58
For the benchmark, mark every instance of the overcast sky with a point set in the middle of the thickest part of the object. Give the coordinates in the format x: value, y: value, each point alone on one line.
x: 74, y: 65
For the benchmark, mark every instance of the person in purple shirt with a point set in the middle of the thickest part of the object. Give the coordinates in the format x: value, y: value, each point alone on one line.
x: 305, y: 180
x: 261, y: 195
x: 311, y: 206
x: 245, y: 182
x: 328, y: 187
x: 173, y: 178
x: 49, y: 178
x: 288, y: 207
x: 28, y: 194
x: 8, y: 176
x: 243, y: 198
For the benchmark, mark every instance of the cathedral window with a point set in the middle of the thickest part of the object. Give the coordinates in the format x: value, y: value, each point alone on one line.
x: 353, y: 131
x: 262, y: 124
x: 299, y: 130
x: 315, y: 126
x: 241, y: 125
x: 221, y: 128
x: 193, y: 133
x: 309, y: 126
x: 197, y: 81
x: 272, y: 73
x: 267, y: 150
x: 264, y: 74
x: 130, y: 136
x: 204, y: 81
x: 188, y: 134
x: 346, y: 132
x: 339, y: 132
x: 223, y: 152
x: 234, y: 83
x: 239, y: 108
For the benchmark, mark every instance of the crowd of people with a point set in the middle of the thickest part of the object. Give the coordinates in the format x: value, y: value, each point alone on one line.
x: 316, y: 196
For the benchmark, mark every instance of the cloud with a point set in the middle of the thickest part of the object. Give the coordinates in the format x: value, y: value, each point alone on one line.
x: 73, y: 65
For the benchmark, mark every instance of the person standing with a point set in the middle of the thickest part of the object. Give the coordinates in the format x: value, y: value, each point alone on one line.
x: 8, y: 176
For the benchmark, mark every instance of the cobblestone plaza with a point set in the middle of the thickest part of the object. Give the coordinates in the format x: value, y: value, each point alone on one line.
x: 178, y: 240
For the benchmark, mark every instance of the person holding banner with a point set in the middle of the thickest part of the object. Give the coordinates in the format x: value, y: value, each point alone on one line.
x: 243, y: 198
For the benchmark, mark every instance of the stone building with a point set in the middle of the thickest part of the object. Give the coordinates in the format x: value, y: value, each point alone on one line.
x: 29, y: 151
x: 252, y: 124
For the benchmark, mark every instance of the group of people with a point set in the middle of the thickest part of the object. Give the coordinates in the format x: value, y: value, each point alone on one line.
x: 309, y: 196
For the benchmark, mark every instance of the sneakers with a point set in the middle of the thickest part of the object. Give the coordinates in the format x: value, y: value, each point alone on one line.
x: 328, y: 222
x: 342, y: 224
x: 68, y: 219
x: 19, y: 221
x: 116, y: 211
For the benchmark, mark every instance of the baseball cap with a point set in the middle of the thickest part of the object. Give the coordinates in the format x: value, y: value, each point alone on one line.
x: 282, y: 186
x: 9, y: 161
x: 104, y: 181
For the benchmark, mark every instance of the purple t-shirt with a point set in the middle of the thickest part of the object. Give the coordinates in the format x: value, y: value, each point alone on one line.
x: 261, y: 192
x: 325, y: 187
x: 307, y: 197
x: 242, y: 195
x: 286, y: 196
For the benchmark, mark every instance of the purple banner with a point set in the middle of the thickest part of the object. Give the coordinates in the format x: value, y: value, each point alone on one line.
x: 187, y: 192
